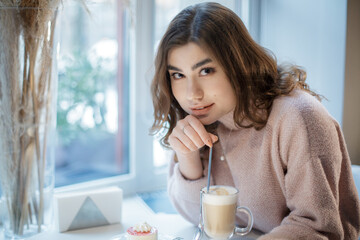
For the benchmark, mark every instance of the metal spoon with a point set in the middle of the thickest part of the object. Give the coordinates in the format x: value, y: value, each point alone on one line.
x: 200, y: 229
x: 199, y: 232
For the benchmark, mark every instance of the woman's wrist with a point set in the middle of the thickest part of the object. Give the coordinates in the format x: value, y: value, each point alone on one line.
x: 190, y: 165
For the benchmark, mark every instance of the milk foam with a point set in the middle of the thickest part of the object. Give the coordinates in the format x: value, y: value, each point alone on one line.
x: 214, y: 199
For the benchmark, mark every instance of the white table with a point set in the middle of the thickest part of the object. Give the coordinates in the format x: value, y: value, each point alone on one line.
x: 134, y: 211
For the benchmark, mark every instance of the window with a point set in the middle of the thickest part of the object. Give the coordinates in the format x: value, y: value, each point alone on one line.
x: 92, y: 93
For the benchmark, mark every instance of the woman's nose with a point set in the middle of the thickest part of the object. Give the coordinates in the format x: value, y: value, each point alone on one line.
x: 194, y: 90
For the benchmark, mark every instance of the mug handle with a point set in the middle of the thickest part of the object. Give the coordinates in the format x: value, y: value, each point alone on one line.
x: 243, y: 231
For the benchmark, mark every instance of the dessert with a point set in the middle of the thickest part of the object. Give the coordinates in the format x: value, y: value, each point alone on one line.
x: 142, y: 231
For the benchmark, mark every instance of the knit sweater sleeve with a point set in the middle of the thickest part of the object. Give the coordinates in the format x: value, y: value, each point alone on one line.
x: 319, y: 189
x: 185, y: 194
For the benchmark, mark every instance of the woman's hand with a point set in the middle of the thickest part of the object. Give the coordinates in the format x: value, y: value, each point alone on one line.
x: 186, y: 139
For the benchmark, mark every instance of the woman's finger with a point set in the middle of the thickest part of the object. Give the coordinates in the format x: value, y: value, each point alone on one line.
x: 200, y: 130
x: 214, y: 138
x: 194, y: 136
x: 184, y: 139
x: 177, y: 145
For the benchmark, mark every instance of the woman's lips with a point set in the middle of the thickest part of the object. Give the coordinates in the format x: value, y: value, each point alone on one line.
x: 201, y: 110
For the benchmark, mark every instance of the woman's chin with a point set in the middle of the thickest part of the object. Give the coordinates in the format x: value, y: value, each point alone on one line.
x: 207, y: 121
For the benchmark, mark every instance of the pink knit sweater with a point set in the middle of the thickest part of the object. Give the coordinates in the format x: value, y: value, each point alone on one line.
x: 294, y: 174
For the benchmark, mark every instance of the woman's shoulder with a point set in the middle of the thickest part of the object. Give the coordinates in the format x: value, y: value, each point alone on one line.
x: 300, y: 105
x: 301, y: 116
x: 299, y: 99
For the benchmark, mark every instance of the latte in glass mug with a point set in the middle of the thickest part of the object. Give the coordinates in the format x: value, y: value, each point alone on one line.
x: 219, y: 207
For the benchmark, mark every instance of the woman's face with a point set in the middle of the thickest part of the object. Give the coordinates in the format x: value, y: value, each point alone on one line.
x: 199, y: 83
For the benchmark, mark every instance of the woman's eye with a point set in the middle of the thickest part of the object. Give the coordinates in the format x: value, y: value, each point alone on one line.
x: 176, y: 75
x: 206, y: 71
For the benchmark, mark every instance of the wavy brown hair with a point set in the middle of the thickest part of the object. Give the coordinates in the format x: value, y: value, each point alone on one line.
x: 252, y: 70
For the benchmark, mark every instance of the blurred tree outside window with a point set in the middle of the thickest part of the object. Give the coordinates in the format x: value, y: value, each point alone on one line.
x: 92, y: 83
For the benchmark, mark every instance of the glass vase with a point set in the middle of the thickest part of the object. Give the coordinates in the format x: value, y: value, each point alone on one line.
x: 28, y: 87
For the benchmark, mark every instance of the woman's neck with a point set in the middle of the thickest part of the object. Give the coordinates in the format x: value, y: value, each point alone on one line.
x: 228, y: 121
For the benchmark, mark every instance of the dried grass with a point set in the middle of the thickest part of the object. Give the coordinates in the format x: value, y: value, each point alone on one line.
x: 25, y: 105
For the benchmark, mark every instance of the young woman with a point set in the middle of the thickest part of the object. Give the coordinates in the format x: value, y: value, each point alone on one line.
x: 271, y: 137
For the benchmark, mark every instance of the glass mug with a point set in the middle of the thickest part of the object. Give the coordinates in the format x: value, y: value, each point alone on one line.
x: 218, y: 212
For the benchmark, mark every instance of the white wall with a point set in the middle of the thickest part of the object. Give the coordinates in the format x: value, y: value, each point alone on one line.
x: 311, y: 34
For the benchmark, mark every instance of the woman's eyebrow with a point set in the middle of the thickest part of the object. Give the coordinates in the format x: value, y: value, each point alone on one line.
x: 197, y: 65
x: 169, y: 67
